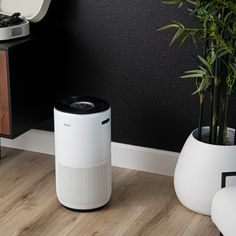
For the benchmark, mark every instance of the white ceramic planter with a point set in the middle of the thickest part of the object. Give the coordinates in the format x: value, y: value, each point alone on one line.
x: 197, y: 175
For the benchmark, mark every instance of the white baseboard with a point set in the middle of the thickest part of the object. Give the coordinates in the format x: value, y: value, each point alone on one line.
x: 123, y: 155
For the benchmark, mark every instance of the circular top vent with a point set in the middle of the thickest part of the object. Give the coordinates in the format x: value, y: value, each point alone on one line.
x: 82, y: 105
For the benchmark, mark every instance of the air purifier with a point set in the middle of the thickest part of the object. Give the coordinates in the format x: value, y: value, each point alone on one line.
x: 83, y: 152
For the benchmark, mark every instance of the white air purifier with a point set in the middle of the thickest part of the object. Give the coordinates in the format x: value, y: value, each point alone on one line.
x: 83, y: 152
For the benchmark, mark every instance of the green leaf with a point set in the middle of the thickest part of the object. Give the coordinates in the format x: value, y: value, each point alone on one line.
x: 176, y: 36
x: 233, y: 67
x: 184, y: 39
x: 223, y: 53
x: 203, y: 69
x: 172, y: 2
x: 195, y: 72
x: 168, y: 27
x: 178, y: 23
x: 204, y: 61
x: 192, y: 2
x: 192, y: 76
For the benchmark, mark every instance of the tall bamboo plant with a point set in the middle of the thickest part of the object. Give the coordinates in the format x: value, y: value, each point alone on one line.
x: 216, y: 72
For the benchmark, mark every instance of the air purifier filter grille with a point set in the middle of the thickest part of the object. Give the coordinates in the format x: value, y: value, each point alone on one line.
x: 83, y: 188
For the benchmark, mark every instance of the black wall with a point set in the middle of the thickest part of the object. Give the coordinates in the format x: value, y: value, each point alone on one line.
x: 111, y: 49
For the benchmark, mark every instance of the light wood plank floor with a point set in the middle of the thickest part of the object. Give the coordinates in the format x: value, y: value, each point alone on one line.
x: 141, y: 204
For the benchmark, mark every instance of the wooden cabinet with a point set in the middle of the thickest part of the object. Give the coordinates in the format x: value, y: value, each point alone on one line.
x: 5, y: 128
x: 26, y: 85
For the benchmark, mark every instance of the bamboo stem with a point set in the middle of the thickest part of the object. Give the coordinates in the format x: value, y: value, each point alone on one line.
x: 200, y: 120
x: 223, y: 107
x: 211, y: 100
x: 225, y: 93
x: 226, y: 119
x: 222, y: 122
x: 211, y: 139
x: 214, y: 118
x: 214, y: 121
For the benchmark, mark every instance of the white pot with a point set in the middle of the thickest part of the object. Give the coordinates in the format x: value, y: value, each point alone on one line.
x: 197, y: 175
